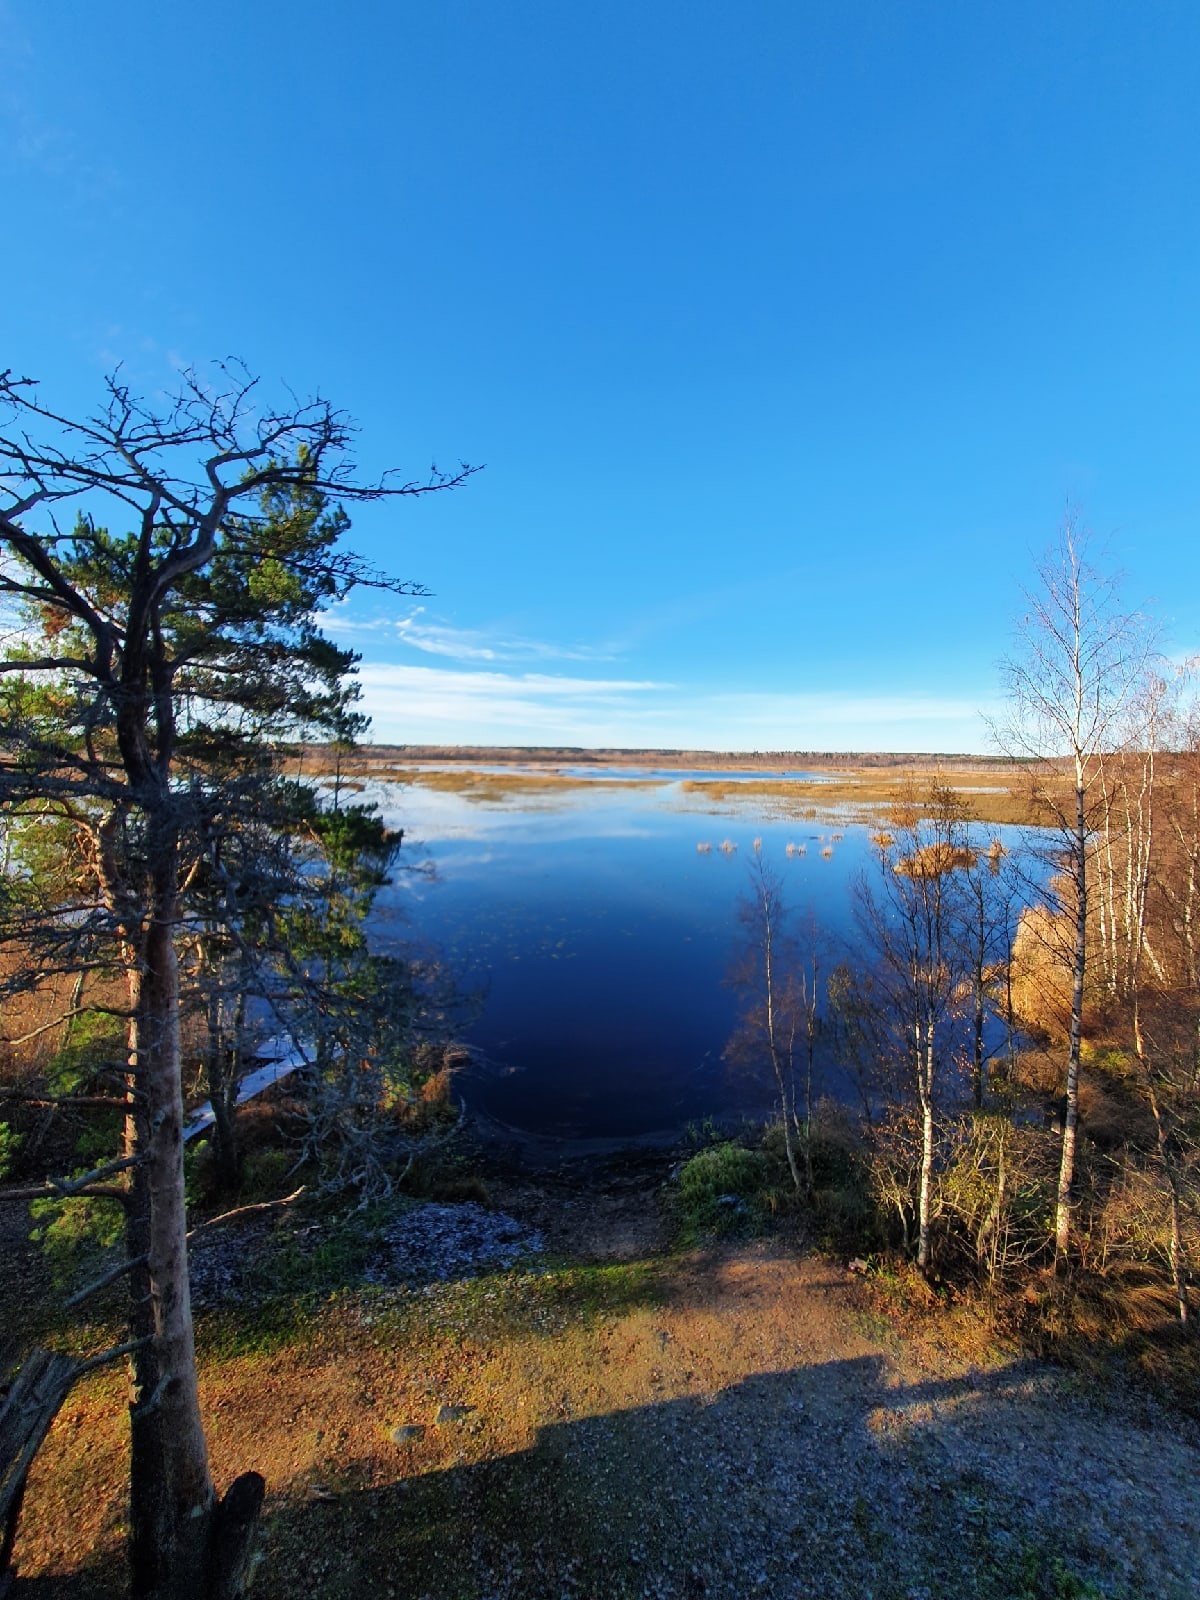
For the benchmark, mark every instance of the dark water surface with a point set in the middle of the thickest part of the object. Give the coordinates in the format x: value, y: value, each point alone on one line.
x: 598, y: 938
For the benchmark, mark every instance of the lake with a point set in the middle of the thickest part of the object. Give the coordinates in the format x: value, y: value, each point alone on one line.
x: 597, y: 938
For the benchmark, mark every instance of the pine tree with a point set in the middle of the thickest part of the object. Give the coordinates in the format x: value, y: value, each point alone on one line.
x: 149, y: 668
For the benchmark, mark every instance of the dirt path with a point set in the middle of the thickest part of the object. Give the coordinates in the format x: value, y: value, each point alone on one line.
x: 729, y: 1424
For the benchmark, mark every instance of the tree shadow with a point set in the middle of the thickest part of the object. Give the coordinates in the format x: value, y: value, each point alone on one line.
x: 825, y: 1480
x: 830, y: 1479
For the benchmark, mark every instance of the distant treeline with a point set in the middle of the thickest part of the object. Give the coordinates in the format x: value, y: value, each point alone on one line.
x: 734, y: 760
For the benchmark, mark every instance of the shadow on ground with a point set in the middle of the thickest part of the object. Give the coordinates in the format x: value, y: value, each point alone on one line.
x: 827, y: 1480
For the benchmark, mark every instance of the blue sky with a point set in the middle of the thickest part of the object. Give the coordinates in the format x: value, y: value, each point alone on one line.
x: 786, y: 332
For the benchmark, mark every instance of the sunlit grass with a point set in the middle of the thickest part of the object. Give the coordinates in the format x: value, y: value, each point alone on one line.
x: 854, y: 792
x: 844, y: 798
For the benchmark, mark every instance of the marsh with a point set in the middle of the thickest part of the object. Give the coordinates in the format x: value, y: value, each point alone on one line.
x: 593, y: 916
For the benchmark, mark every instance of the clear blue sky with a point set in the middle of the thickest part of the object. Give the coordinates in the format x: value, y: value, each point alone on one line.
x: 786, y: 331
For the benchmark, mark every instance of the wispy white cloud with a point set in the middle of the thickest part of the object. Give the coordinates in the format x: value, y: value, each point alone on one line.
x: 488, y: 685
x: 434, y: 705
x: 467, y: 644
x: 416, y: 704
x: 433, y: 637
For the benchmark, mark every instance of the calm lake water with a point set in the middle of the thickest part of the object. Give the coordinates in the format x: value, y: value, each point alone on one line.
x: 598, y: 938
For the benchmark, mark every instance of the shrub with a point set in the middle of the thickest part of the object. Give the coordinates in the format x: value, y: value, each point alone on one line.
x: 75, y: 1234
x: 9, y: 1144
x: 722, y: 1188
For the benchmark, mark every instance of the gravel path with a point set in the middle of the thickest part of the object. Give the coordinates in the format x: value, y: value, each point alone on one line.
x: 739, y: 1423
x: 758, y: 1432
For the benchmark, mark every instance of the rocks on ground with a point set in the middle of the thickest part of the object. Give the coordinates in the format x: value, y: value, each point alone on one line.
x: 434, y: 1242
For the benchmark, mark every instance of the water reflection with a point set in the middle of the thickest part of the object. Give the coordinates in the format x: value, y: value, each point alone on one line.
x: 598, y: 931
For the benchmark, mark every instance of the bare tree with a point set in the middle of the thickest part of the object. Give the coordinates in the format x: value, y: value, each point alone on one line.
x: 771, y: 1013
x: 1154, y: 1062
x: 1177, y: 874
x: 911, y: 915
x: 811, y: 950
x: 984, y: 932
x: 1076, y: 658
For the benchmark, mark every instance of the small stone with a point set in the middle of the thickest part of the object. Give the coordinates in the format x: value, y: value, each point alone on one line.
x: 406, y: 1432
x: 451, y: 1414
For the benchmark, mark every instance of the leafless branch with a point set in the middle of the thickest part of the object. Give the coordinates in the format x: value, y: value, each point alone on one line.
x: 103, y: 1282
x: 65, y: 1016
x: 90, y: 1183
x: 113, y: 1354
x: 244, y: 1211
x: 96, y: 1102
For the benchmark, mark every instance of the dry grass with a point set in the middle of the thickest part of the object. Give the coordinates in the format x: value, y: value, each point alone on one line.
x: 312, y: 1403
x: 1126, y: 1319
x: 859, y: 795
x: 645, y: 1427
x: 496, y: 787
x: 990, y: 791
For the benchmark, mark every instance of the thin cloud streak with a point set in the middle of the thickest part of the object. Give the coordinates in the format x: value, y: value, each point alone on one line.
x: 438, y: 680
x: 459, y: 644
x: 470, y: 644
x: 431, y: 705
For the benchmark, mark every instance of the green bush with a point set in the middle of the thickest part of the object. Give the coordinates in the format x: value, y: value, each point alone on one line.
x: 9, y: 1144
x: 723, y: 1188
x: 774, y: 1147
x: 841, y: 1205
x: 847, y: 1221
x: 75, y: 1234
x: 91, y: 1038
x: 699, y: 1135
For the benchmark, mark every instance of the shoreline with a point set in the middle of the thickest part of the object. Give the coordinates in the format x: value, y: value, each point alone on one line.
x: 680, y: 759
x: 796, y: 785
x: 522, y: 1151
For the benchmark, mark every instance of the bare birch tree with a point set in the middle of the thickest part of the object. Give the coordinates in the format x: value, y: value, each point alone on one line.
x: 911, y: 915
x: 1076, y: 657
x: 985, y: 932
x: 1152, y: 1006
x: 772, y: 1013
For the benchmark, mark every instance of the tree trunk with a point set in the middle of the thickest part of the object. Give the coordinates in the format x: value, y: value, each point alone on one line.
x: 809, y: 1043
x: 222, y: 1089
x: 925, y: 1068
x: 171, y: 1492
x: 789, y: 1142
x: 996, y: 1216
x: 1066, y: 1171
x: 1189, y: 940
x: 1178, y: 1259
x: 780, y: 1066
